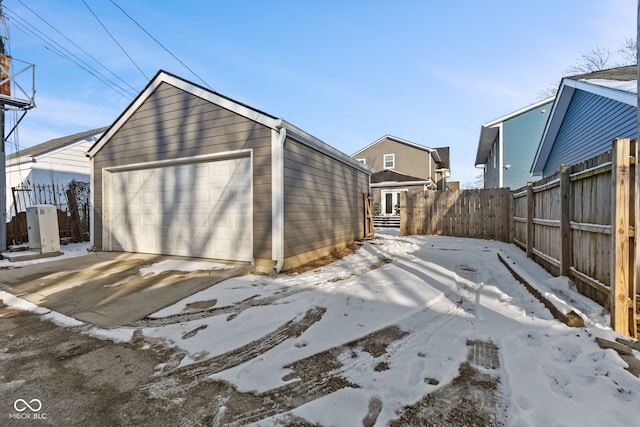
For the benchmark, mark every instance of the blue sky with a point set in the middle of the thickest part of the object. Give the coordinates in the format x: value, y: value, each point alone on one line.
x: 348, y: 72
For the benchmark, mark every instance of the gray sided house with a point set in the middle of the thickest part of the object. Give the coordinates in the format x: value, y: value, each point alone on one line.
x: 402, y: 165
x: 590, y: 111
x: 508, y: 145
x: 187, y: 171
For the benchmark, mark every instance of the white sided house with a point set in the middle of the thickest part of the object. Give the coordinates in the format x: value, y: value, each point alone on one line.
x: 53, y: 163
x: 187, y: 171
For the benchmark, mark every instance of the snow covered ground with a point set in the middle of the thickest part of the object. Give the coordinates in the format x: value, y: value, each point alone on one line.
x: 397, y: 320
x: 68, y: 251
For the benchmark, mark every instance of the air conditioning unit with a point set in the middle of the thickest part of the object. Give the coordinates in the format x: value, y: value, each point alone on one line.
x: 42, y: 222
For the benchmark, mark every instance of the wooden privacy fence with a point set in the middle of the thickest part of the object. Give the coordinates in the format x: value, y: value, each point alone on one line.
x: 580, y: 223
x: 577, y: 223
x: 481, y: 214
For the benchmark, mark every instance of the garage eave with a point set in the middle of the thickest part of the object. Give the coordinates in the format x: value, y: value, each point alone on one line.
x: 315, y: 143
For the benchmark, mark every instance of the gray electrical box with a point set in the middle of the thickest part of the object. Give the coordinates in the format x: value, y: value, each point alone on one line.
x: 42, y: 221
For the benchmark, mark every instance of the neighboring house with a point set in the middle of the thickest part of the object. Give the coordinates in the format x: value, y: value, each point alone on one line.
x: 55, y: 162
x: 589, y: 112
x: 402, y: 165
x: 508, y: 145
x: 187, y: 171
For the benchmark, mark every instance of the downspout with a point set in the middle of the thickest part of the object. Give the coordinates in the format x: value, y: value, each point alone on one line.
x: 500, y: 158
x: 278, y: 138
x: 92, y: 192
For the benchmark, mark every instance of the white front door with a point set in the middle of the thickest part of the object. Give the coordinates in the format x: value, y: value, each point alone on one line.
x: 391, y: 202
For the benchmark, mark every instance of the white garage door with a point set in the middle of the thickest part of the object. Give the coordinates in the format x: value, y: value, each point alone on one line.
x: 196, y: 209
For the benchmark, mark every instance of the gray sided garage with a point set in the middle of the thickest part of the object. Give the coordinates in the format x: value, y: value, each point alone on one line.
x: 186, y: 171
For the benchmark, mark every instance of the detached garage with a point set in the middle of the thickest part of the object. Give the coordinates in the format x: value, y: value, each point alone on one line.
x: 186, y: 171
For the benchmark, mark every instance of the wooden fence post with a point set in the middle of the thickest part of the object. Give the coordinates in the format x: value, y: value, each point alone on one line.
x: 422, y: 203
x: 405, y: 214
x: 635, y: 274
x: 429, y: 212
x: 530, y: 212
x: 565, y: 221
x: 506, y: 215
x: 620, y: 236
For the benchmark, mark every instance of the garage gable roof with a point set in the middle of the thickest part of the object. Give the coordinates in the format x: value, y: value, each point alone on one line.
x: 239, y: 108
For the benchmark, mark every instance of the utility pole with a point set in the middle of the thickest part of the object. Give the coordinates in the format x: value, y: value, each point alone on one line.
x: 3, y: 159
x: 16, y: 94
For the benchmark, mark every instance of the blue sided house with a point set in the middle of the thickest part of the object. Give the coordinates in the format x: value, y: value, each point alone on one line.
x: 590, y: 111
x: 508, y: 145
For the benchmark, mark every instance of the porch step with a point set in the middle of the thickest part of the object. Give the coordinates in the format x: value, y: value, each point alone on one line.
x: 386, y: 221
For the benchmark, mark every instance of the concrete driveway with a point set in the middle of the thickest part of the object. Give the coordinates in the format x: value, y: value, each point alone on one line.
x: 107, y: 288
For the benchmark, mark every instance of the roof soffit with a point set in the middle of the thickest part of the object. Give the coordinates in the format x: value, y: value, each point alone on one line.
x: 488, y: 136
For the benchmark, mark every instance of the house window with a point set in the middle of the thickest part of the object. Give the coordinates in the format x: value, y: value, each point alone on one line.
x: 363, y: 161
x: 389, y: 161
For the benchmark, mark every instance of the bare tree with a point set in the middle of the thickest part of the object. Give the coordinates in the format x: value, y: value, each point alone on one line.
x: 547, y: 92
x: 477, y: 183
x: 598, y: 58
x: 628, y: 51
x: 595, y: 60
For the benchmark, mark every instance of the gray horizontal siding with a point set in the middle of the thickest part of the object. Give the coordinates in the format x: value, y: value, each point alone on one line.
x: 174, y: 124
x: 591, y: 123
x: 408, y: 160
x: 323, y: 200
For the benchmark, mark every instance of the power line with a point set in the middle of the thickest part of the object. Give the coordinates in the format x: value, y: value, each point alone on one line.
x: 160, y: 44
x: 65, y: 53
x: 115, y: 41
x: 134, y: 91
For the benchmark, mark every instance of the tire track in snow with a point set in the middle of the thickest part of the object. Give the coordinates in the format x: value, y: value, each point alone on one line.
x: 319, y: 375
x: 182, y: 379
x: 325, y: 372
x: 232, y: 310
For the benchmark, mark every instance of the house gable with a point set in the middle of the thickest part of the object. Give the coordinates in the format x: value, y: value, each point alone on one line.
x: 508, y: 145
x: 158, y: 131
x: 408, y: 158
x: 587, y: 116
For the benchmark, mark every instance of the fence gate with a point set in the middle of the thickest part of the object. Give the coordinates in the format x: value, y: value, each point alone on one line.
x: 71, y: 201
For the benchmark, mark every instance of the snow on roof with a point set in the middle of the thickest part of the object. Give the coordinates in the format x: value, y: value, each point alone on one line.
x: 624, y: 85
